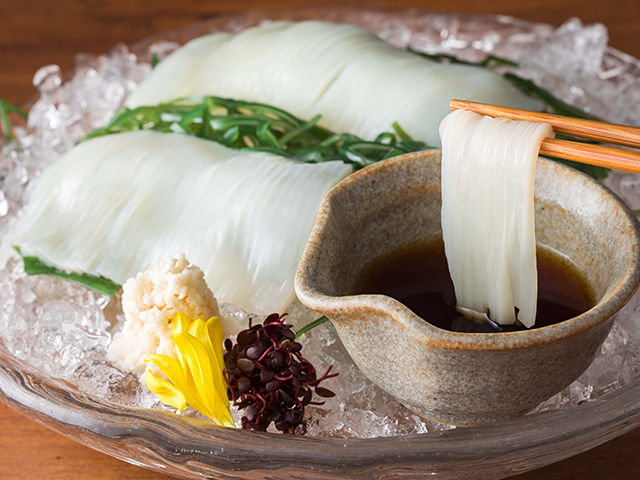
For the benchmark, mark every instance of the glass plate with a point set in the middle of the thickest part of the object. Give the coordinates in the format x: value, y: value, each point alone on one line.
x: 188, y: 448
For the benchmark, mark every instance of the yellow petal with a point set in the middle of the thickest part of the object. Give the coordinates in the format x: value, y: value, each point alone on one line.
x: 200, y: 330
x: 199, y: 364
x: 180, y: 379
x: 197, y: 377
x: 210, y: 335
x: 167, y: 393
x: 180, y: 324
x: 195, y: 398
x: 213, y: 344
x: 217, y: 338
x: 227, y: 420
x: 170, y: 367
x: 196, y: 357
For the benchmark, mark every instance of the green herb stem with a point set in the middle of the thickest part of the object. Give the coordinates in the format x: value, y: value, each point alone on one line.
x: 5, y: 124
x: 490, y: 61
x: 5, y: 121
x: 311, y: 326
x: 400, y: 132
x: 17, y: 110
x: 259, y: 127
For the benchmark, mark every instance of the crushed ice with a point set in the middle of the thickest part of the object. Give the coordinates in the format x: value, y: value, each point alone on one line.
x: 572, y: 64
x: 63, y: 329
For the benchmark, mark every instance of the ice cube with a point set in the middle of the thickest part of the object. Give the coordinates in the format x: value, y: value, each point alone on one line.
x: 573, y: 395
x: 47, y: 79
x: 573, y: 50
x: 629, y: 318
x: 104, y: 380
x: 604, y: 373
x: 631, y: 364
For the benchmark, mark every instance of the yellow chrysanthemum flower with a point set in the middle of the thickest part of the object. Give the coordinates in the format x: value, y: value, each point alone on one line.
x: 197, y: 377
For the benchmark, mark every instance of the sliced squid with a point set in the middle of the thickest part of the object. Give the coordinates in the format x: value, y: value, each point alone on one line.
x: 358, y: 83
x: 120, y: 204
x: 488, y: 174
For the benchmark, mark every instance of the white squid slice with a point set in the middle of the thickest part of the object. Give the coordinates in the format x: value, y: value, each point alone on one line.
x: 357, y: 82
x: 488, y: 175
x: 120, y: 204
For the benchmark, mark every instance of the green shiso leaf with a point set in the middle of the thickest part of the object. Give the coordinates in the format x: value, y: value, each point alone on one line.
x: 259, y: 127
x: 34, y: 266
x: 154, y: 60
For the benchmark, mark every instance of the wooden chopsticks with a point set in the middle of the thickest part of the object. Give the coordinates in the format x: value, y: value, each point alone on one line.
x: 600, y: 155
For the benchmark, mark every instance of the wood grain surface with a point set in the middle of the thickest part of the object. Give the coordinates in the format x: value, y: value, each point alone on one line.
x: 39, y: 32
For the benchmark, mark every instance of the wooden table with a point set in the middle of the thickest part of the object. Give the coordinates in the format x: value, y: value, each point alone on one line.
x: 39, y: 32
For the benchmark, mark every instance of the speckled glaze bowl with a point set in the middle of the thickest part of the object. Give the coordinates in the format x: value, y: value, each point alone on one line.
x: 464, y: 378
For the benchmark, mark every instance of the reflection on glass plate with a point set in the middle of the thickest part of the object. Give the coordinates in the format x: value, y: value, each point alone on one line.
x: 54, y: 334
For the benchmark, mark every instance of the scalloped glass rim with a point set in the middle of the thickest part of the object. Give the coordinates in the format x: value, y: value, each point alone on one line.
x: 188, y: 448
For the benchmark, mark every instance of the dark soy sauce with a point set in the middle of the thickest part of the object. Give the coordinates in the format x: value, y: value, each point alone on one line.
x: 418, y: 277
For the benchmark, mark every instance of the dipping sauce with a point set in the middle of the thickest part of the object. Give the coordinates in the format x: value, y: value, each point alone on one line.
x: 418, y: 276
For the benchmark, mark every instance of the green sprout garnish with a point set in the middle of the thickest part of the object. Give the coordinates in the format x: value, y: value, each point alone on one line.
x: 259, y: 127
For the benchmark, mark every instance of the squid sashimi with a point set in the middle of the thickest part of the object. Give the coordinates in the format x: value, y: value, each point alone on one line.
x: 120, y: 204
x: 358, y: 83
x: 488, y: 174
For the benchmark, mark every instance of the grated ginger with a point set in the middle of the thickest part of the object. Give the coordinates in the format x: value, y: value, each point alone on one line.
x: 150, y: 301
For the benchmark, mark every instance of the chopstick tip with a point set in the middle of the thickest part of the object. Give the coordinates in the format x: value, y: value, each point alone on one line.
x: 453, y: 104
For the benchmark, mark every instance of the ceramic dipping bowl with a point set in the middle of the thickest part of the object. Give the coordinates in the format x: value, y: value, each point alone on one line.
x: 464, y: 378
